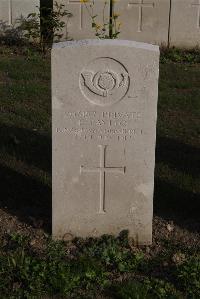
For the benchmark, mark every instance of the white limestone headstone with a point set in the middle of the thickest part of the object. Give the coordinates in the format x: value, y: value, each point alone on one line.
x: 144, y: 20
x: 11, y: 10
x: 104, y: 131
x: 79, y: 26
x: 185, y: 23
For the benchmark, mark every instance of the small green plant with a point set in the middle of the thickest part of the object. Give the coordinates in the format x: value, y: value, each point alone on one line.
x: 114, y: 253
x: 180, y: 55
x: 21, y: 274
x: 188, y: 275
x: 160, y: 289
x: 147, y: 289
x: 20, y: 240
x: 45, y: 25
x: 10, y: 34
x: 130, y: 290
x: 109, y: 28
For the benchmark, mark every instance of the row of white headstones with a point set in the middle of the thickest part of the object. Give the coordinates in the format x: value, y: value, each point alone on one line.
x: 141, y: 5
x: 156, y: 22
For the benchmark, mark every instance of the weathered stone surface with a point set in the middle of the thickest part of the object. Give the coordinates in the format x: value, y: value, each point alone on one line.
x: 160, y: 22
x: 185, y: 23
x: 10, y: 10
x: 79, y: 26
x: 104, y: 129
x: 144, y: 20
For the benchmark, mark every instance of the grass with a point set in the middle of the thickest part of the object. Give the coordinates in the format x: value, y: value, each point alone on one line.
x: 177, y: 170
x: 31, y: 264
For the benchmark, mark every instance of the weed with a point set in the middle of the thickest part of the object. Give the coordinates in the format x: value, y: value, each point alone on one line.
x: 148, y: 289
x: 112, y: 253
x: 160, y: 289
x: 130, y: 290
x: 188, y: 276
x: 21, y: 274
x: 45, y: 25
x: 180, y: 55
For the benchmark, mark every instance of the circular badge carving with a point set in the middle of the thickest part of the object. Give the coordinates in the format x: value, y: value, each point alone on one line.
x: 105, y: 81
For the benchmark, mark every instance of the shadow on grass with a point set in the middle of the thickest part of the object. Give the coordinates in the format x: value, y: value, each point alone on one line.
x: 173, y: 202
x: 25, y: 198
x: 183, y: 157
x: 177, y: 205
x: 27, y: 146
x: 24, y: 194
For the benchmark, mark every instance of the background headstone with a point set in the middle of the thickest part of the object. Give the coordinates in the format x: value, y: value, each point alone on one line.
x: 185, y: 23
x: 160, y: 22
x: 104, y: 130
x: 79, y: 26
x: 10, y: 10
x: 144, y: 20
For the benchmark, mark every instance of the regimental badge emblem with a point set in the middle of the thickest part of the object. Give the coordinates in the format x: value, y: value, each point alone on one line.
x: 104, y: 81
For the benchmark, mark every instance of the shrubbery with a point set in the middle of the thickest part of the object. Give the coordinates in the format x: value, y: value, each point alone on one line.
x: 39, y: 29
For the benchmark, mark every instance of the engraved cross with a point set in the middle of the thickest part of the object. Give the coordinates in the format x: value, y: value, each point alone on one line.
x: 141, y: 5
x: 198, y: 13
x: 102, y: 170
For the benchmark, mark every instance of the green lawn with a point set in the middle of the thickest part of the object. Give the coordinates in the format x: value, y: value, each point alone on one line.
x: 31, y: 265
x: 178, y: 131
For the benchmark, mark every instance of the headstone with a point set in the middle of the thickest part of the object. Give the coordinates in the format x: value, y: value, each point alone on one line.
x: 157, y: 22
x: 104, y: 130
x: 79, y: 26
x: 11, y: 10
x: 185, y: 23
x: 144, y: 20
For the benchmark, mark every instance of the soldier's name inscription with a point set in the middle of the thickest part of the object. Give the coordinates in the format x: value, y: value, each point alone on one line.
x: 104, y: 125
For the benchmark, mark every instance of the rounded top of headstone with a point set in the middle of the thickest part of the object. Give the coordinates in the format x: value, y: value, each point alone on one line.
x: 106, y: 42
